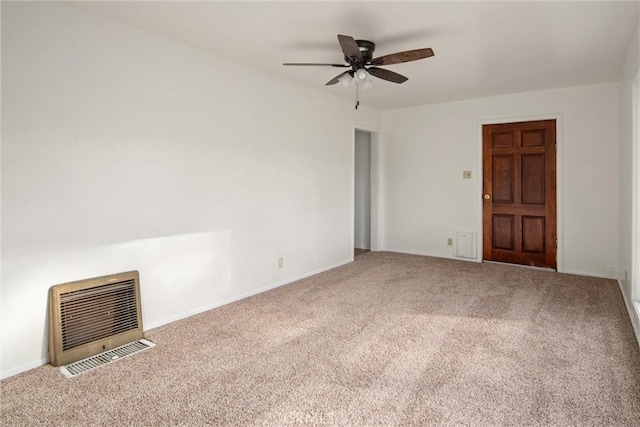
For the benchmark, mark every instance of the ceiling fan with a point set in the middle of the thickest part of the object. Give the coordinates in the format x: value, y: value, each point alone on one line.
x: 359, y: 57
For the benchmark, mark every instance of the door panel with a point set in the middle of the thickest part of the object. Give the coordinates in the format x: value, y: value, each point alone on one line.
x: 532, y: 179
x: 533, y: 234
x: 533, y: 138
x: 519, y: 178
x: 503, y: 183
x: 502, y: 139
x: 503, y: 232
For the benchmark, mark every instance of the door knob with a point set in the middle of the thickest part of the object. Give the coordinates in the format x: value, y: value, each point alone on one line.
x: 487, y: 196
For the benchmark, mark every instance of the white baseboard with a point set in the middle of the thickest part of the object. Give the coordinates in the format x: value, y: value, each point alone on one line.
x: 239, y: 297
x: 23, y: 368
x: 479, y: 260
x: 405, y: 252
x: 582, y: 273
x: 634, y: 313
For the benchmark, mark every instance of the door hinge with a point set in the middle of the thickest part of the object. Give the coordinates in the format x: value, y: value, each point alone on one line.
x: 555, y: 147
x: 556, y: 243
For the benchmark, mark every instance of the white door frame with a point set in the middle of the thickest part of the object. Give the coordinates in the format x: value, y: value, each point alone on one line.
x: 635, y: 206
x: 376, y: 241
x: 559, y: 182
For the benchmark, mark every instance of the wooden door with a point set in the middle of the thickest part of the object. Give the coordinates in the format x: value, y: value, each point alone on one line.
x: 519, y: 197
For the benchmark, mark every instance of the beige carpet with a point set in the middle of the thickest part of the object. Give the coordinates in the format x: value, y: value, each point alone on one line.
x: 388, y: 340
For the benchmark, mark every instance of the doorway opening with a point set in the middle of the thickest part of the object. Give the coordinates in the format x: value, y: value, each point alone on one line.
x: 362, y: 197
x: 365, y: 213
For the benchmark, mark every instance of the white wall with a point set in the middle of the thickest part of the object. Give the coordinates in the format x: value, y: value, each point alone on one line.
x: 428, y: 147
x: 122, y: 150
x: 628, y: 153
x: 362, y: 203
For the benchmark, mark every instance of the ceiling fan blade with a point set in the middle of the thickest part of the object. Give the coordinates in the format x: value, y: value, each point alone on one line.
x: 350, y: 47
x: 336, y: 79
x: 315, y: 64
x: 406, y: 56
x: 383, y: 74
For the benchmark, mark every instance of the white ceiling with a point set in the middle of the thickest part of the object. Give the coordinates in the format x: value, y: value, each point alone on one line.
x: 481, y: 48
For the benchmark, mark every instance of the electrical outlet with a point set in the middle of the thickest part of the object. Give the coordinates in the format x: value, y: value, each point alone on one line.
x: 449, y: 241
x: 280, y: 262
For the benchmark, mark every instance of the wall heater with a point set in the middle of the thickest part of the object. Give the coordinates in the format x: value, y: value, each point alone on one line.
x: 94, y: 315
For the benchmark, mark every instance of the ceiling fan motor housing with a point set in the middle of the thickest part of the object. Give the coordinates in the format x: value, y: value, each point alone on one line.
x: 366, y: 50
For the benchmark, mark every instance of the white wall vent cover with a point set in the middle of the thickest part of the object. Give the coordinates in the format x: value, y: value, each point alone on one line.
x: 465, y: 244
x: 101, y: 359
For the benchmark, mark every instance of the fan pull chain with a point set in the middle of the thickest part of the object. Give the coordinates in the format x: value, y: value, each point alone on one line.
x: 357, y: 94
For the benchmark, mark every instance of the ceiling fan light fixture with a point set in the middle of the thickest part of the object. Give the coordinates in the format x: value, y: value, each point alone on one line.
x: 346, y: 80
x: 366, y: 84
x: 363, y: 78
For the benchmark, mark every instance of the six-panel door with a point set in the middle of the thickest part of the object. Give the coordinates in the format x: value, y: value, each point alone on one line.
x: 519, y: 198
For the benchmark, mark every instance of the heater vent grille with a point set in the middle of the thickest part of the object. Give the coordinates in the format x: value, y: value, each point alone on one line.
x: 92, y: 314
x: 101, y: 359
